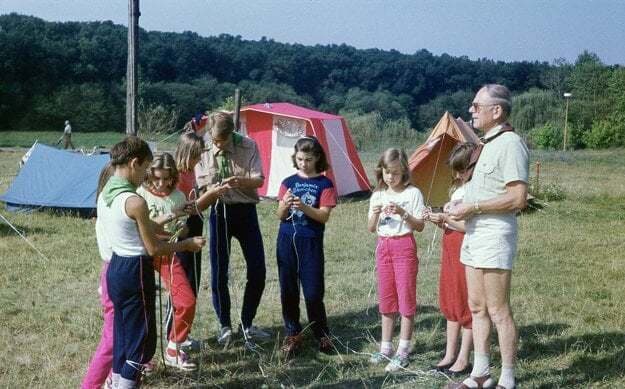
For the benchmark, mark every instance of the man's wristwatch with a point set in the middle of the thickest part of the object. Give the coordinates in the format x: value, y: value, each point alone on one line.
x: 405, y: 216
x: 476, y: 208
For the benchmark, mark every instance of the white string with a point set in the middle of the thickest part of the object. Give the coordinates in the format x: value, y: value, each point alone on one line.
x: 420, y: 373
x: 24, y: 238
x: 169, y: 136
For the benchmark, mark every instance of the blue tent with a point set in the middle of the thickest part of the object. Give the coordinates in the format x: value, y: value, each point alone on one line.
x: 53, y: 178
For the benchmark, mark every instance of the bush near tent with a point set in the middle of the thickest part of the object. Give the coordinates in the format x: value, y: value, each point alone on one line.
x: 277, y: 126
x: 428, y: 164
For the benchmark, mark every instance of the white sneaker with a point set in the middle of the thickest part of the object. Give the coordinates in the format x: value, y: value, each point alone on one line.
x: 253, y: 332
x: 180, y: 361
x: 225, y: 336
x: 190, y: 345
x: 398, y: 362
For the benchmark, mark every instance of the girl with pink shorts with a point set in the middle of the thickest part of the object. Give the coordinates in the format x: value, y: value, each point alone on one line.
x: 395, y: 212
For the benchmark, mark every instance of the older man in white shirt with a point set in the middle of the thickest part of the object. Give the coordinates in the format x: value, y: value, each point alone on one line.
x: 494, y: 195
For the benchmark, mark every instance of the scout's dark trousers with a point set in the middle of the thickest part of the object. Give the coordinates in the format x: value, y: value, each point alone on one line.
x: 301, y: 260
x: 130, y: 283
x: 239, y: 221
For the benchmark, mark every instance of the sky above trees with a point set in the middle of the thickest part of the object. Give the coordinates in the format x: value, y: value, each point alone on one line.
x: 503, y: 30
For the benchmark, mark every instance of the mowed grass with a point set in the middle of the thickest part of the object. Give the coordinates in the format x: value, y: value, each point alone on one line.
x: 81, y: 140
x: 568, y: 296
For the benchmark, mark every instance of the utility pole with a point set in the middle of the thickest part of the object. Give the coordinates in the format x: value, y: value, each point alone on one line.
x: 131, y: 68
x: 567, y: 96
x: 237, y: 109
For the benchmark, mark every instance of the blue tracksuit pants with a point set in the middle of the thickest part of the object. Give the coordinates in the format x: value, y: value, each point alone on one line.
x: 131, y: 288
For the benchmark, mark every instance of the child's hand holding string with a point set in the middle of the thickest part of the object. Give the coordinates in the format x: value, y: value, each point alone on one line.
x: 194, y: 244
x: 287, y: 199
x: 393, y: 208
x: 232, y: 182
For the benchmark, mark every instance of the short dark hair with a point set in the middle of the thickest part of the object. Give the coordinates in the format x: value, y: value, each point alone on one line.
x: 220, y: 124
x: 130, y: 147
x: 310, y: 144
x: 460, y: 156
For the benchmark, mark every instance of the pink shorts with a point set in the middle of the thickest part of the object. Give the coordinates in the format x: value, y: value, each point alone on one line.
x: 397, y: 265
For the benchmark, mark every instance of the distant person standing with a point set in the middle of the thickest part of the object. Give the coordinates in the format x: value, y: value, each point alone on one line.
x: 67, y: 136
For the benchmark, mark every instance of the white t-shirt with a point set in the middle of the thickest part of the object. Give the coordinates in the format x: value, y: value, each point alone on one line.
x: 456, y: 196
x: 409, y: 199
x: 104, y: 247
x: 67, y: 129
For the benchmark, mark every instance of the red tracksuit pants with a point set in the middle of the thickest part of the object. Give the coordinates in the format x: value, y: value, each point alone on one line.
x: 182, y: 298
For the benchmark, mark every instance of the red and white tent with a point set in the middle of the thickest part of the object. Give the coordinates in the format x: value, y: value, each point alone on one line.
x: 277, y: 126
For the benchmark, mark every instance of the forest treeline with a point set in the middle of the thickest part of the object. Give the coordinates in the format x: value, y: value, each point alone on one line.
x: 52, y: 71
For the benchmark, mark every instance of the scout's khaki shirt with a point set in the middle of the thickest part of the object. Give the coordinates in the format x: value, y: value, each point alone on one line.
x: 244, y: 161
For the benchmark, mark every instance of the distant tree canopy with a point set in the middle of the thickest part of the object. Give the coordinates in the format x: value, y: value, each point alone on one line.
x: 51, y: 71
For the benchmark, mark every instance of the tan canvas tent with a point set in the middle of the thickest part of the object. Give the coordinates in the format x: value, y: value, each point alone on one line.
x: 428, y: 164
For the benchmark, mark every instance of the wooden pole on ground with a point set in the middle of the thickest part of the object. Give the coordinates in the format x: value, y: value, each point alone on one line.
x: 537, y: 191
x: 131, y: 68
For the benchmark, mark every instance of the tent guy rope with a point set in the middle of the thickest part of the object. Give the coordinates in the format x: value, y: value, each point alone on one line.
x: 24, y: 238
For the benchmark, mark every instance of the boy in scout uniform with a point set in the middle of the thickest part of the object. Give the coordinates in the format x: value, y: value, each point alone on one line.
x: 231, y: 167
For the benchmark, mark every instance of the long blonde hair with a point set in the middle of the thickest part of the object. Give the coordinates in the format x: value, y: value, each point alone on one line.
x: 163, y: 162
x: 389, y: 156
x: 190, y: 148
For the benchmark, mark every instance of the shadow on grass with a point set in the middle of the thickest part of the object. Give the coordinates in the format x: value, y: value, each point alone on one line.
x: 354, y: 334
x: 593, y: 357
x: 6, y: 230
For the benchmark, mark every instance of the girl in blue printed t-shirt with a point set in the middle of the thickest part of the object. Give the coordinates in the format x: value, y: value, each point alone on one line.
x: 306, y: 200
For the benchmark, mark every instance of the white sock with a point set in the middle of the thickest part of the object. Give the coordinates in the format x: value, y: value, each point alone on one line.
x: 404, y: 346
x: 386, y: 347
x: 126, y: 383
x: 172, y: 345
x: 506, y: 379
x: 115, y: 380
x: 481, y: 364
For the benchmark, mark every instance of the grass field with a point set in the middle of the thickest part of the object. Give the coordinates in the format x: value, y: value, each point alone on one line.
x: 568, y: 295
x: 81, y: 140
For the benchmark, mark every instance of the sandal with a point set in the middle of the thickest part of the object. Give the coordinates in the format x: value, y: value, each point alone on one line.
x: 442, y: 368
x: 484, y: 382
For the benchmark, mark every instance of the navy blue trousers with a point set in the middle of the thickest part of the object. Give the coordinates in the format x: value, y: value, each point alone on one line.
x: 301, y: 260
x: 239, y: 221
x: 130, y: 282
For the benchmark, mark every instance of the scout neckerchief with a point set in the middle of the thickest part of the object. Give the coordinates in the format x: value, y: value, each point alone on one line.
x: 222, y: 159
x: 115, y: 186
x: 475, y: 155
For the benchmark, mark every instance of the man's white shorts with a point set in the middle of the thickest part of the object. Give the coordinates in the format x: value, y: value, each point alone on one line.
x: 488, y: 249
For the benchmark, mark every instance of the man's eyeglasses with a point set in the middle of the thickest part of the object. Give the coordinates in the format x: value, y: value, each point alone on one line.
x: 476, y: 106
